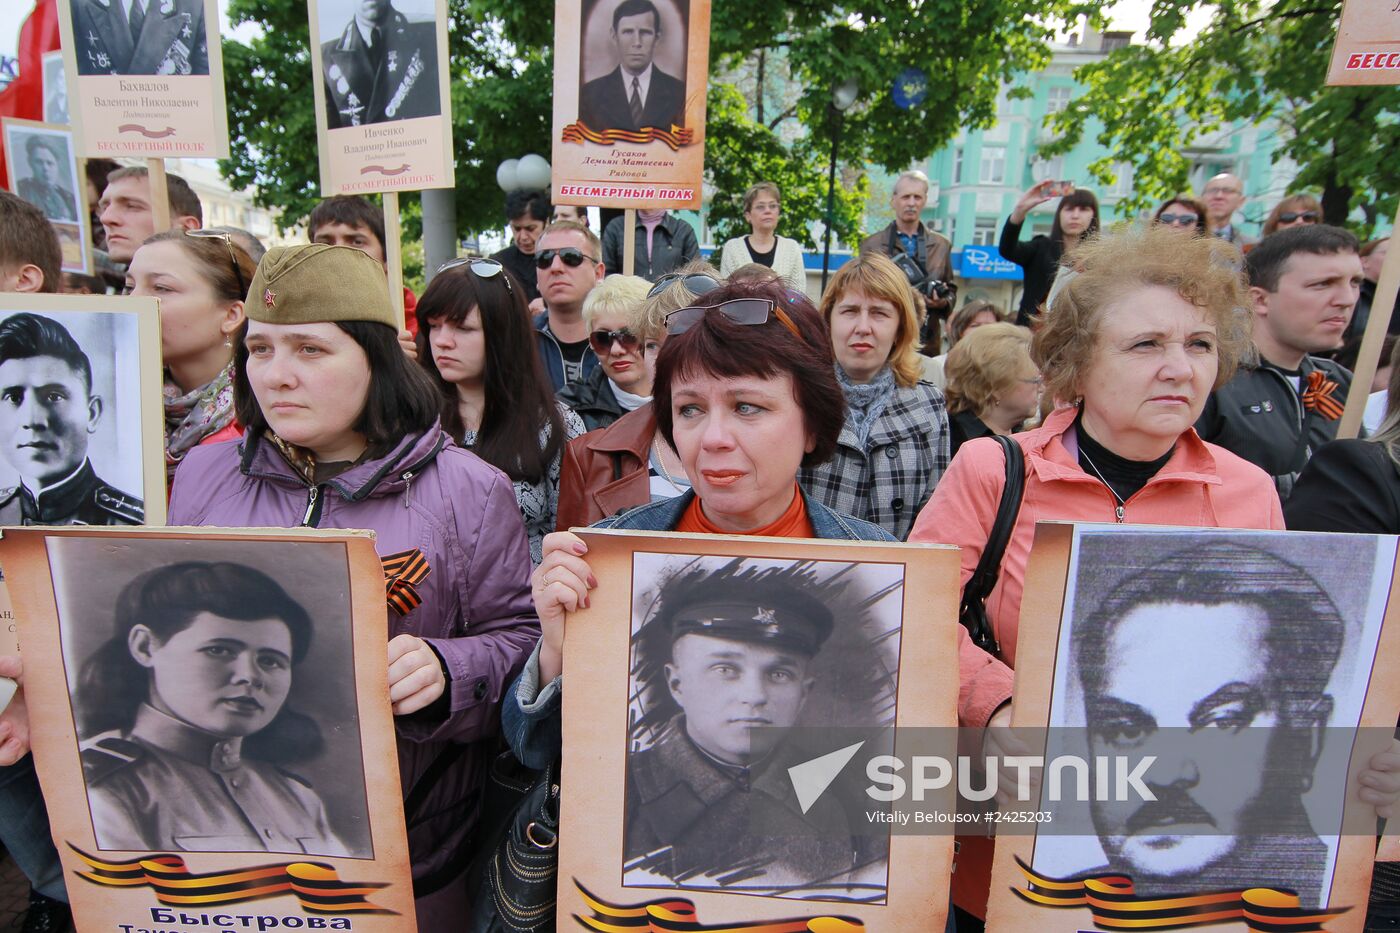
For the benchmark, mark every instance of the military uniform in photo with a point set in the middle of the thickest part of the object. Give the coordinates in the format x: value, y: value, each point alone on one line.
x: 167, y: 786
x: 148, y: 37
x: 56, y: 202
x: 386, y: 73
x: 81, y: 499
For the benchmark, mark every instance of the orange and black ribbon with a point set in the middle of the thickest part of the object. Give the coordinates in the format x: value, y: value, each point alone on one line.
x: 402, y: 574
x: 678, y: 915
x: 675, y: 137
x: 1115, y: 906
x: 315, y: 885
x: 1320, y: 396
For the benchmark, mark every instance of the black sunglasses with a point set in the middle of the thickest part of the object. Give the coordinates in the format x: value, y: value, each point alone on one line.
x: 738, y: 310
x: 1180, y: 220
x: 602, y: 340
x: 697, y: 283
x: 481, y: 268
x: 1288, y: 217
x: 233, y: 259
x: 571, y: 256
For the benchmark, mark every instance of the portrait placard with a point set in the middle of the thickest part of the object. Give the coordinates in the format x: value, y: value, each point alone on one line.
x: 148, y: 83
x: 211, y: 725
x: 94, y: 453
x: 383, y: 109
x: 1224, y: 689
x: 710, y: 678
x: 43, y: 168
x: 1367, y: 50
x: 55, y: 88
x: 629, y: 102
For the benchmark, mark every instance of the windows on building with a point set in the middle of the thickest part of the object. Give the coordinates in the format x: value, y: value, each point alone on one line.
x: 1122, y: 180
x: 1052, y: 168
x: 1057, y: 98
x: 957, y: 164
x: 993, y: 166
x: 984, y: 231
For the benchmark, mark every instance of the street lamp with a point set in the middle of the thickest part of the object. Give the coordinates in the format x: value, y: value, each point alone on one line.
x: 843, y: 96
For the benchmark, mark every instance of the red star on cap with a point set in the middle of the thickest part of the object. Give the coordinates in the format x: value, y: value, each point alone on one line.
x: 269, y: 299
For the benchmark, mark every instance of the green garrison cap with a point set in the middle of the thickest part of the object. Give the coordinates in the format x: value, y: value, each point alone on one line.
x: 319, y: 283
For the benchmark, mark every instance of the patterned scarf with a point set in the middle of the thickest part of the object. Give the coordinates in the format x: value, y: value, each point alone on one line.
x: 193, y: 416
x: 865, y: 403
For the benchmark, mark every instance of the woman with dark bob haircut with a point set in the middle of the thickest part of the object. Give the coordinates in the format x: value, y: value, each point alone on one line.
x: 343, y: 432
x: 746, y: 394
x: 185, y: 719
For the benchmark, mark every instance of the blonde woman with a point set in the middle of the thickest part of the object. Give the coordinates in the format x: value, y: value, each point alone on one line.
x: 894, y: 443
x: 763, y: 206
x: 993, y: 385
x: 626, y: 345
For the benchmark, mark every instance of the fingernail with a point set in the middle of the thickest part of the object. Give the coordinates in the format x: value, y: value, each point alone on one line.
x: 580, y: 548
x: 592, y: 581
x: 587, y: 603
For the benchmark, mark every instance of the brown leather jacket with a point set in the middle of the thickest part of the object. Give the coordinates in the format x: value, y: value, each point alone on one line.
x: 605, y: 471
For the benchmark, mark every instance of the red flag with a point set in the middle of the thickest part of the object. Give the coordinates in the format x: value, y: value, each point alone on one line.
x: 25, y: 95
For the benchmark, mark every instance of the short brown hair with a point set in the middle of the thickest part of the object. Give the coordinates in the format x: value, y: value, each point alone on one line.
x: 984, y: 364
x: 878, y: 276
x: 1202, y: 270
x: 27, y: 238
x: 959, y: 319
x: 563, y: 226
x: 215, y: 260
x: 352, y: 211
x: 719, y: 347
x: 180, y: 197
x: 763, y: 187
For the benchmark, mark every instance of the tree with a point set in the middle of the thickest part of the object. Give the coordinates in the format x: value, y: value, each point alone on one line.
x: 1259, y: 60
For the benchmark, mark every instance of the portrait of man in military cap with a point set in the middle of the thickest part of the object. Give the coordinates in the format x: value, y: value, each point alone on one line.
x: 46, y: 179
x: 379, y: 60
x: 50, y: 413
x: 1239, y: 664
x: 729, y: 653
x: 140, y: 37
x: 207, y: 679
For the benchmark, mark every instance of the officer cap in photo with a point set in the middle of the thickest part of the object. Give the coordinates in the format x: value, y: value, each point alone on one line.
x: 317, y: 283
x: 758, y: 608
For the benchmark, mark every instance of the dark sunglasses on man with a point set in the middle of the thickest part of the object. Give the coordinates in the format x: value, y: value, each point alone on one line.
x: 571, y: 256
x: 1288, y: 217
x: 738, y: 310
x: 481, y: 268
x: 602, y: 341
x: 1179, y: 220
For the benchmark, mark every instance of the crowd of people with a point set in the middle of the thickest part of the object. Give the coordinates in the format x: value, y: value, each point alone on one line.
x: 1173, y: 372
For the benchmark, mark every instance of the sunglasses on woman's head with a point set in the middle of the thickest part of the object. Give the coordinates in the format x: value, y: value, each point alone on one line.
x: 233, y: 259
x: 1180, y: 220
x: 697, y: 283
x: 602, y: 340
x: 481, y: 268
x: 1288, y: 217
x: 571, y: 256
x: 738, y: 310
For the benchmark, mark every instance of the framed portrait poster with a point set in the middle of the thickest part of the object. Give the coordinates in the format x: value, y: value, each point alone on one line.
x: 55, y: 88
x: 211, y: 725
x: 1223, y: 690
x: 43, y: 168
x: 629, y: 102
x: 145, y: 78
x: 81, y: 418
x: 383, y: 110
x: 708, y: 682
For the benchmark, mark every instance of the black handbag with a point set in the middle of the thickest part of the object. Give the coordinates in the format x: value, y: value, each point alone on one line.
x: 513, y: 883
x: 973, y: 611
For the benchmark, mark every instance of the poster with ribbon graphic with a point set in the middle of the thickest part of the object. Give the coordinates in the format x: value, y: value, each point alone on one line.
x: 1205, y: 704
x: 145, y: 78
x: 629, y: 102
x: 727, y: 700
x: 211, y: 726
x: 383, y: 111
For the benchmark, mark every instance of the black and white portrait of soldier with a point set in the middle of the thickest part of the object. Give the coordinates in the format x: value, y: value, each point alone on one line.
x: 730, y: 652
x: 378, y: 60
x: 644, y: 63
x: 47, y: 180
x: 50, y: 411
x: 1227, y: 659
x: 140, y: 37
x: 55, y: 88
x: 194, y: 736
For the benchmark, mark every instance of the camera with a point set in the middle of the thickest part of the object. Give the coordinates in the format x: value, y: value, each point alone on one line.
x: 932, y: 288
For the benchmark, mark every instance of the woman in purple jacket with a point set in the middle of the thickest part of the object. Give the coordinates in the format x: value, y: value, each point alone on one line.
x: 342, y: 432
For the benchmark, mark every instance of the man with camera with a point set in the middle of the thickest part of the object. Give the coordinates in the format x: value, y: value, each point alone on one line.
x: 922, y: 254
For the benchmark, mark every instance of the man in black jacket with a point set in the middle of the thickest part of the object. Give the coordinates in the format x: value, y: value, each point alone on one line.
x: 636, y: 94
x: 1304, y: 282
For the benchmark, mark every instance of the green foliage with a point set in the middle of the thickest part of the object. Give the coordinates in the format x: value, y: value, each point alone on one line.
x: 1258, y: 59
x: 740, y: 152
